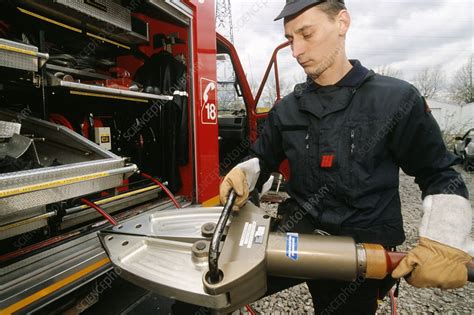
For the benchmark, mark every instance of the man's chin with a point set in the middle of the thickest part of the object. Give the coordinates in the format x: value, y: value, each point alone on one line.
x: 313, y: 73
x: 308, y: 70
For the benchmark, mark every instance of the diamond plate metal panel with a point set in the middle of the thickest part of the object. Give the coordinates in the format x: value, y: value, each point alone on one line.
x: 86, y: 169
x: 105, y: 10
x: 23, y: 202
x: 16, y: 60
x: 36, y: 176
x: 8, y: 129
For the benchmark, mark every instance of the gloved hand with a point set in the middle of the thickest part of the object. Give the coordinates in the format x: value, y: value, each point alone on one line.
x: 445, y: 244
x: 235, y: 179
x: 242, y: 178
x: 433, y: 264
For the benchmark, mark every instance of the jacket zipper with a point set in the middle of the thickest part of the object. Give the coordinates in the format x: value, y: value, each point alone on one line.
x: 352, y: 141
x: 307, y: 140
x: 351, y: 164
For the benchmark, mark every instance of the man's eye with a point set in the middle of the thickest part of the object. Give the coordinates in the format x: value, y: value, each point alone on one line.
x: 306, y: 36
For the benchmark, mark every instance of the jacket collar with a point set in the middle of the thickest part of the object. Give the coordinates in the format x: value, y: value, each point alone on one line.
x: 313, y: 102
x: 343, y: 91
x: 355, y: 76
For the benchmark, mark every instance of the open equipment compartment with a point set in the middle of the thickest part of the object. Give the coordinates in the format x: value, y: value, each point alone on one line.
x: 92, y: 114
x: 78, y: 162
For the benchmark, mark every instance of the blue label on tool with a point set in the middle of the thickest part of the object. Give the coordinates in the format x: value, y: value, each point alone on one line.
x: 292, y: 245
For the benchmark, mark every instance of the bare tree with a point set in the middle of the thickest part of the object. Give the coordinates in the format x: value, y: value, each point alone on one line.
x: 269, y: 93
x: 462, y: 90
x: 389, y: 71
x: 429, y: 81
x: 227, y: 97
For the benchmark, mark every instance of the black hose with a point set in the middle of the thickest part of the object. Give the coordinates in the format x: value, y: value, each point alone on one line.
x: 214, y: 253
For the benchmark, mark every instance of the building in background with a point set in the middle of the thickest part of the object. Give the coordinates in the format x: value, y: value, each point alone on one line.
x: 453, y: 118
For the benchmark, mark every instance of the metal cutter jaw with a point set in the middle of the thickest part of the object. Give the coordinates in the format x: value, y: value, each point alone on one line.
x: 167, y: 253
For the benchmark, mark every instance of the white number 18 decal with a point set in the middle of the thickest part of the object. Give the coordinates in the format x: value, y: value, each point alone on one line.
x: 211, y: 111
x: 209, y: 99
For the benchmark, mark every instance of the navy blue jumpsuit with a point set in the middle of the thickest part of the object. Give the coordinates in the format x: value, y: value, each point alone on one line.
x: 345, y: 144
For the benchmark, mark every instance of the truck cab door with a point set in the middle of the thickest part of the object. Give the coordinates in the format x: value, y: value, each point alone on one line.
x: 269, y: 93
x: 241, y: 117
x: 235, y: 107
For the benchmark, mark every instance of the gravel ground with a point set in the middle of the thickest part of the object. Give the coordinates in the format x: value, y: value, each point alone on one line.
x: 297, y: 300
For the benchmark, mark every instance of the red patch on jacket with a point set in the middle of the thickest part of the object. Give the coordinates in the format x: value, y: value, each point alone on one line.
x: 327, y: 161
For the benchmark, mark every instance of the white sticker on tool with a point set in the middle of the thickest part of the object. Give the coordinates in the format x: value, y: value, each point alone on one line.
x: 259, y: 234
x: 248, y: 234
x: 244, y: 232
x: 252, y: 234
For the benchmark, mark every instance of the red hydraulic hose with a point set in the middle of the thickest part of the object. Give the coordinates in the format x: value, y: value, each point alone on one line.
x: 60, y: 120
x: 393, y: 303
x: 166, y: 190
x: 102, y: 212
x: 37, y: 246
x: 250, y: 310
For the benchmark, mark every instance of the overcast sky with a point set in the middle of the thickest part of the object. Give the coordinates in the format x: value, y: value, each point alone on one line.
x: 404, y: 34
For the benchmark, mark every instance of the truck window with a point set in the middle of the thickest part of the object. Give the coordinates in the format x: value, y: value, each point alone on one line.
x: 279, y: 80
x: 232, y: 115
x: 229, y: 94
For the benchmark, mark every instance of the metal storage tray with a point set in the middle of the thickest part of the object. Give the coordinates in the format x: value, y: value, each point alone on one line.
x: 20, y: 56
x: 100, y: 91
x: 86, y: 168
x: 108, y: 11
x: 103, y: 18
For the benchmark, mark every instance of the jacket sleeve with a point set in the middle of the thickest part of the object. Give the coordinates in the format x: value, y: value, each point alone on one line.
x: 418, y: 148
x: 268, y: 148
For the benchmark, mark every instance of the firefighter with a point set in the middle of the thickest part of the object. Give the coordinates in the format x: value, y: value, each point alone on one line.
x: 346, y: 132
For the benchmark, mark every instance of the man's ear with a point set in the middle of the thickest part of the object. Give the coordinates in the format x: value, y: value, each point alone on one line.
x: 344, y: 20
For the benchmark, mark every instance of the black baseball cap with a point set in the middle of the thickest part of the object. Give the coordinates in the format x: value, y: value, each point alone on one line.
x: 293, y: 7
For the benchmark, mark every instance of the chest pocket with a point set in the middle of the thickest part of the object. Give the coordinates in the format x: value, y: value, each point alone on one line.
x: 362, y: 148
x: 294, y: 137
x: 295, y: 141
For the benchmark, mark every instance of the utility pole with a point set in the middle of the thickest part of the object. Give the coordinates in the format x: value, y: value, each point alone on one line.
x: 228, y: 99
x: 224, y: 23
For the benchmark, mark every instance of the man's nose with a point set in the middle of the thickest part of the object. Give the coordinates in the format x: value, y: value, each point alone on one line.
x: 297, y: 48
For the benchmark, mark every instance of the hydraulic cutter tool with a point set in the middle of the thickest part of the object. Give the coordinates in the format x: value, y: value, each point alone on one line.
x: 220, y: 259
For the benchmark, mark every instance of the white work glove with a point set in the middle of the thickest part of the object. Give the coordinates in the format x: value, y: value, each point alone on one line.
x: 242, y: 178
x: 445, y: 247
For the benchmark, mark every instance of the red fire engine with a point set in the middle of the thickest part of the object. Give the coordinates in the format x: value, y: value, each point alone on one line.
x: 138, y: 79
x: 112, y: 115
